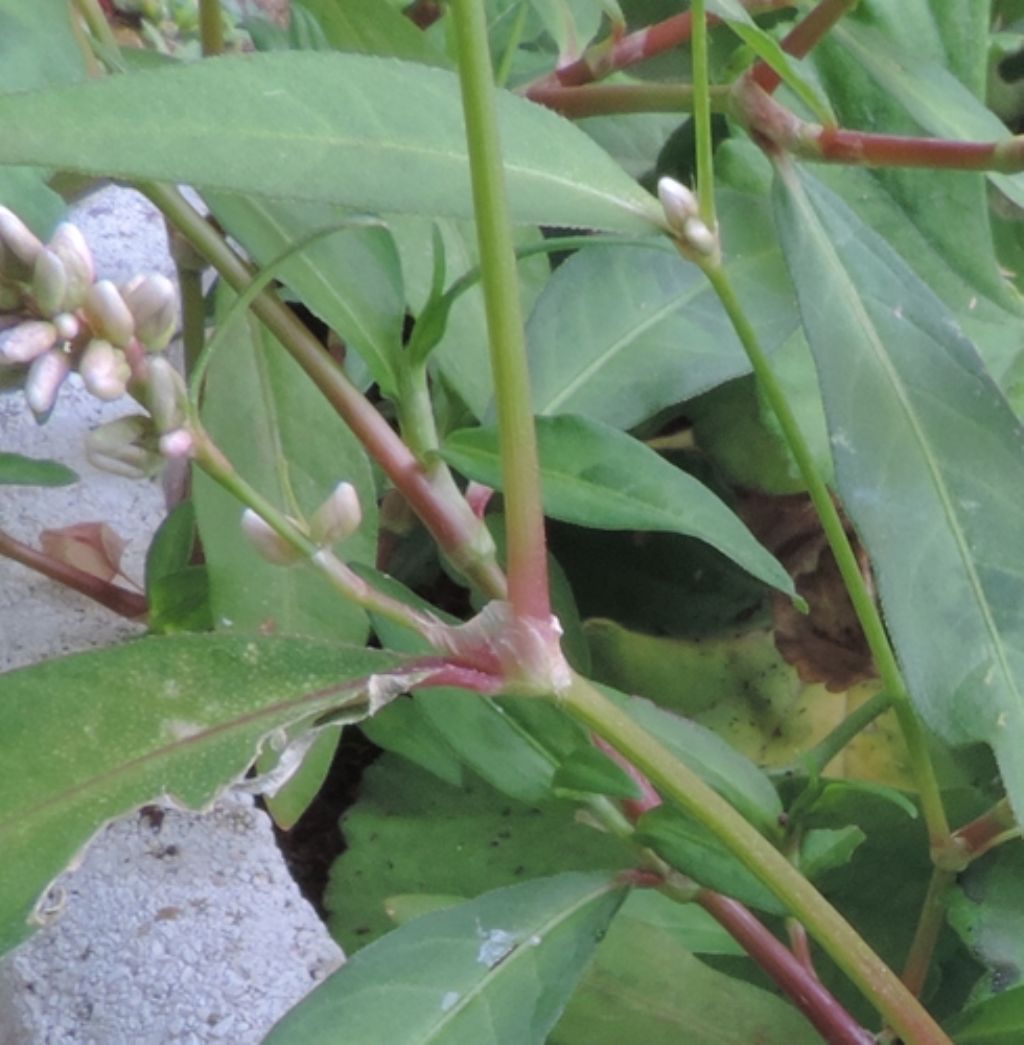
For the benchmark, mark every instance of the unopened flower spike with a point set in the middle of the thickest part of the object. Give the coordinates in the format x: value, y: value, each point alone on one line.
x: 270, y: 545
x: 678, y: 203
x: 69, y: 245
x: 45, y: 377
x: 104, y: 370
x: 18, y: 246
x: 153, y: 303
x: 338, y: 517
x: 108, y: 315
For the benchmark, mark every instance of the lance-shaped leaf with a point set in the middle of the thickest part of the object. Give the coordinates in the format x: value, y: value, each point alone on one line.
x: 18, y: 470
x: 369, y: 133
x: 594, y: 475
x: 92, y: 736
x: 499, y: 969
x: 620, y: 333
x: 929, y: 462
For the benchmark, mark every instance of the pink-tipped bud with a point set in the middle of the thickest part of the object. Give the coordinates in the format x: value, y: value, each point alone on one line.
x: 270, y: 545
x: 104, y: 370
x: 69, y: 245
x: 126, y: 447
x: 153, y: 302
x: 698, y: 236
x: 177, y: 445
x: 165, y: 395
x: 108, y: 315
x: 338, y: 517
x: 20, y: 246
x: 45, y: 377
x: 49, y: 283
x: 678, y: 203
x: 27, y: 341
x: 67, y: 326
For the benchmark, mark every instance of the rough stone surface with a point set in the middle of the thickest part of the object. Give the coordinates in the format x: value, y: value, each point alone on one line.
x: 177, y: 928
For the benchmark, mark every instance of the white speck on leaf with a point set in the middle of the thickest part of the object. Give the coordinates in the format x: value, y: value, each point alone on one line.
x: 178, y: 729
x: 171, y: 689
x: 251, y: 654
x: 535, y: 940
x: 841, y: 440
x: 450, y: 1000
x: 495, y: 946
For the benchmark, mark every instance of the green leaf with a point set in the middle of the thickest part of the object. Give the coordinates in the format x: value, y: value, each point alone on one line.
x: 368, y: 133
x: 596, y: 476
x: 732, y: 775
x: 930, y: 94
x: 92, y: 736
x: 498, y: 969
x: 986, y: 908
x: 944, y: 446
x: 180, y: 601
x: 171, y: 548
x: 621, y: 333
x: 589, y: 770
x: 647, y: 985
x: 692, y: 849
x: 18, y: 470
x: 260, y: 409
x: 767, y: 48
x: 825, y: 849
x: 998, y: 1020
x: 351, y: 279
x: 412, y: 833
x: 370, y: 27
x: 27, y: 32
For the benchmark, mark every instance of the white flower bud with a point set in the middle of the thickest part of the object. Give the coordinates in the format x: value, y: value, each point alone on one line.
x: 270, y: 545
x: 104, y: 370
x: 20, y: 245
x: 697, y: 235
x: 67, y: 325
x: 69, y: 245
x: 45, y: 377
x: 677, y: 201
x: 108, y: 315
x: 153, y: 302
x: 165, y: 395
x: 27, y: 341
x: 49, y: 283
x: 127, y: 447
x: 338, y: 517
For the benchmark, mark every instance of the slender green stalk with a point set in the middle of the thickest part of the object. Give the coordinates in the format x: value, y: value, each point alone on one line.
x: 505, y: 65
x: 812, y: 763
x: 702, y: 114
x: 846, y: 559
x: 461, y: 536
x: 527, y: 556
x: 685, y: 789
x: 213, y: 462
x: 614, y: 98
x: 93, y: 16
x: 211, y: 27
x: 929, y: 925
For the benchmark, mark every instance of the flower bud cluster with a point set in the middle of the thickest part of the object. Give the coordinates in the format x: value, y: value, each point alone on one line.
x: 337, y: 518
x: 683, y: 216
x: 55, y: 316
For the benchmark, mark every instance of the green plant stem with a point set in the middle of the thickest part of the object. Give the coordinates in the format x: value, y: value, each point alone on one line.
x: 802, y: 38
x: 940, y: 839
x: 96, y: 21
x: 461, y: 536
x: 812, y: 763
x: 505, y: 65
x: 806, y: 991
x: 527, y: 555
x: 929, y: 925
x: 702, y: 114
x: 685, y: 789
x: 211, y: 27
x: 213, y: 462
